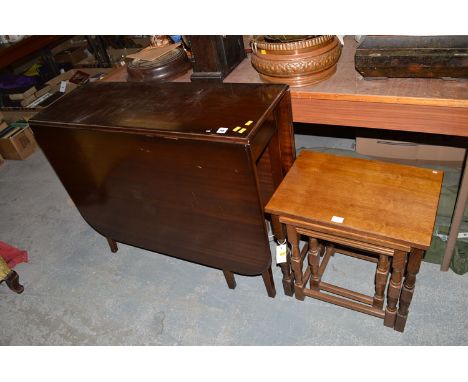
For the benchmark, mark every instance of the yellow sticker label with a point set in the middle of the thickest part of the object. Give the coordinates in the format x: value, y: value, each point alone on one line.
x: 236, y: 128
x: 248, y: 123
x: 262, y: 51
x: 242, y: 130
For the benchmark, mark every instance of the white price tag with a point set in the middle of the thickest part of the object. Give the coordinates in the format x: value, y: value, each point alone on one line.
x: 222, y: 130
x: 281, y: 251
x: 63, y: 86
x: 337, y: 219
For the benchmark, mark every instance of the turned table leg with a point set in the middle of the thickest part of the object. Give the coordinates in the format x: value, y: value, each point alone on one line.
x: 381, y: 276
x: 112, y: 245
x: 394, y: 288
x: 288, y: 281
x: 231, y: 281
x: 412, y: 269
x: 296, y: 262
x: 269, y: 283
x: 314, y: 263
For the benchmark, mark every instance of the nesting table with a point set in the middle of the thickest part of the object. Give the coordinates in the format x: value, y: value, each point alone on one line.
x: 370, y: 210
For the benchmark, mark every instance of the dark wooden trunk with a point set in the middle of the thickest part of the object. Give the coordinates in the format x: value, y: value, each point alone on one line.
x: 413, y: 56
x: 145, y: 165
x: 215, y: 56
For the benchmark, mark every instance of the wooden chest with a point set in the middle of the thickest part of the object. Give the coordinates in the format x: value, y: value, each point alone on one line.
x: 413, y: 56
x: 182, y: 169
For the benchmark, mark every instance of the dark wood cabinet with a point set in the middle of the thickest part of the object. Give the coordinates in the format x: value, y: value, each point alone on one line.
x: 215, y: 56
x: 183, y: 169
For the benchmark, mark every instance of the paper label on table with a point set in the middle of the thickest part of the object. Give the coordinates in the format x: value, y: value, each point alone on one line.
x: 281, y: 251
x: 236, y: 128
x: 63, y: 86
x: 242, y: 130
x: 248, y: 123
x: 222, y: 130
x: 337, y: 219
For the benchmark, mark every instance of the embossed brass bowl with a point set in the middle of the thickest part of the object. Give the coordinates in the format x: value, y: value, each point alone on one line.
x: 296, y: 63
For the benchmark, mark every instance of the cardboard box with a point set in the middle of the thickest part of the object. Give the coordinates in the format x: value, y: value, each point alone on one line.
x: 116, y: 55
x: 69, y: 74
x: 1, y: 161
x: 44, y: 90
x: 24, y: 95
x: 72, y: 56
x: 74, y: 42
x: 28, y: 100
x: 16, y: 115
x: 3, y: 125
x: 18, y: 146
x: 410, y: 152
x: 88, y: 62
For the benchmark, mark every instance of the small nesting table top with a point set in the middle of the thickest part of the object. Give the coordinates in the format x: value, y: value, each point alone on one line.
x: 370, y: 198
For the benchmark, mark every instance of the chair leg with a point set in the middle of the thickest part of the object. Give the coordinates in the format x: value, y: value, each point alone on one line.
x: 269, y: 283
x: 112, y: 245
x: 231, y: 281
x: 12, y: 281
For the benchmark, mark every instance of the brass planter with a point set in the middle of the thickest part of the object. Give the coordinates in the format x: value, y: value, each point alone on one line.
x: 297, y: 63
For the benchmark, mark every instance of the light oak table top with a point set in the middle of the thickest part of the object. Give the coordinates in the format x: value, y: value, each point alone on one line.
x: 375, y: 199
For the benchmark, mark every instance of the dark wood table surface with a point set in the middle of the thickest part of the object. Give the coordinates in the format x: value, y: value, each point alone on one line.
x: 183, y: 169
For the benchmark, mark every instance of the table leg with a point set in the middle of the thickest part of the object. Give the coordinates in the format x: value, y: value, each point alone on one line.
x: 314, y: 263
x: 456, y: 219
x: 231, y: 281
x: 112, y: 245
x: 414, y: 263
x: 394, y: 288
x: 288, y: 281
x: 381, y: 276
x: 269, y: 283
x: 296, y: 262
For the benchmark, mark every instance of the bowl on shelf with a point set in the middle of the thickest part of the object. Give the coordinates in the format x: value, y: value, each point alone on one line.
x: 295, y: 60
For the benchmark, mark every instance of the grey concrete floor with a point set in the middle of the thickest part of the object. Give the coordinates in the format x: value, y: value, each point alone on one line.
x: 78, y: 293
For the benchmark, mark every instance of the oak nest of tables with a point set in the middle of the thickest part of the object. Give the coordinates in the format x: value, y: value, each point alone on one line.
x: 371, y: 210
